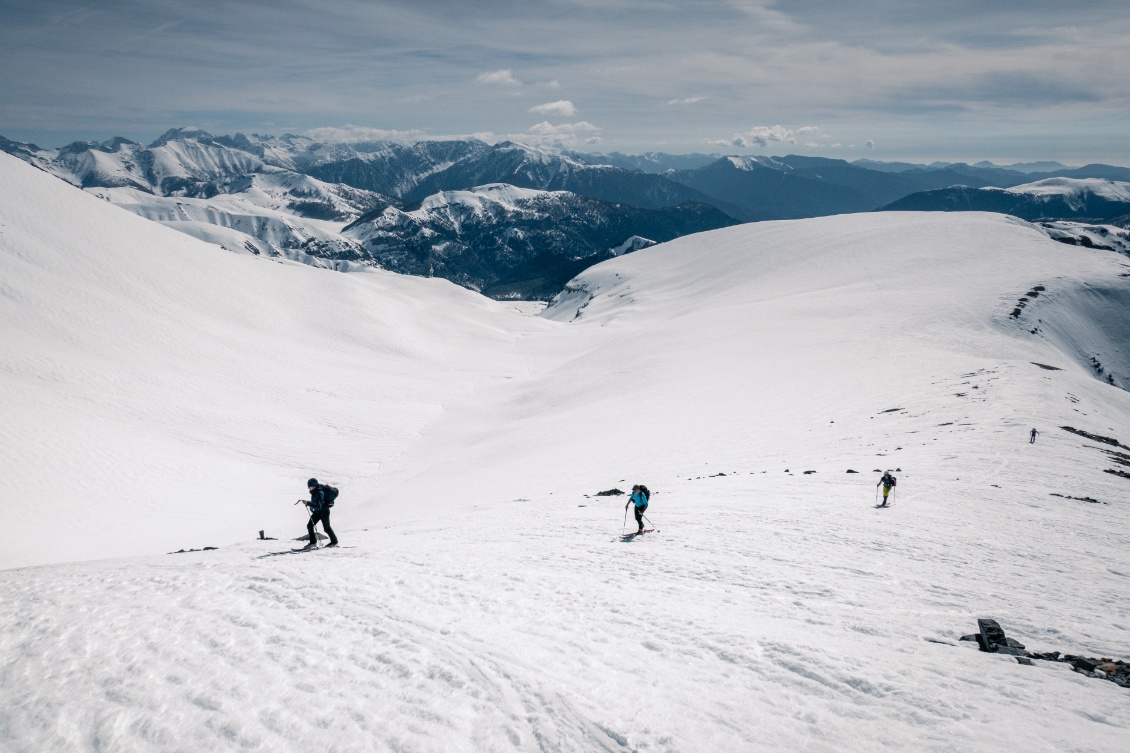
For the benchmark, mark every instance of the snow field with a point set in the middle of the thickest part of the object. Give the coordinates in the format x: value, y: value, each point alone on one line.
x: 751, y: 341
x: 482, y: 607
x: 768, y: 613
x: 159, y: 393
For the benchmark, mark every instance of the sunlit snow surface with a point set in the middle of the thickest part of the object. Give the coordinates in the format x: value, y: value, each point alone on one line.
x: 158, y: 392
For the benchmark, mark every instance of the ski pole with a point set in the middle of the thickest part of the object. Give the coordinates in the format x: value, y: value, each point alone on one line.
x: 648, y: 520
x: 876, y: 494
x: 624, y: 528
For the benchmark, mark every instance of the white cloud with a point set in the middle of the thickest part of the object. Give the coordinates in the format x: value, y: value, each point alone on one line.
x: 545, y: 128
x: 352, y: 134
x: 550, y: 85
x: 504, y: 77
x: 562, y: 107
x: 869, y: 144
x: 685, y: 101
x: 561, y: 135
x: 764, y: 136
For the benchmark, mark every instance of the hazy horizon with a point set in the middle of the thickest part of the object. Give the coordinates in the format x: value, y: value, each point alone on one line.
x: 146, y: 139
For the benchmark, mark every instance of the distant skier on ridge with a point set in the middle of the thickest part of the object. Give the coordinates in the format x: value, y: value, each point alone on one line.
x: 319, y: 506
x: 1032, y: 436
x: 887, y: 482
x: 640, y: 496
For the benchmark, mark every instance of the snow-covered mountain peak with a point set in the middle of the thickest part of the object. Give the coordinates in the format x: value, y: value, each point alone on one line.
x: 1107, y: 189
x: 182, y: 134
x: 538, y: 154
x: 755, y: 162
x: 503, y: 195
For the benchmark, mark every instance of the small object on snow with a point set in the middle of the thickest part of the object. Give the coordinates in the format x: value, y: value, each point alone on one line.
x: 849, y: 470
x: 609, y: 493
x: 261, y: 535
x: 991, y: 635
x: 1025, y: 661
x: 808, y: 472
x: 306, y: 536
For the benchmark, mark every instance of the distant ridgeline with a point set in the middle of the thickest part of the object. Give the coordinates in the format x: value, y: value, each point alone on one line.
x: 517, y: 221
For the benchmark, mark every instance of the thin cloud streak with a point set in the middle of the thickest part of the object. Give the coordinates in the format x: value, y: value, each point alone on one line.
x: 561, y: 108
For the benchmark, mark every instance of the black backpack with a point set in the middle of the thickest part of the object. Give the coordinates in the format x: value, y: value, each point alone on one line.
x: 646, y: 493
x: 329, y: 494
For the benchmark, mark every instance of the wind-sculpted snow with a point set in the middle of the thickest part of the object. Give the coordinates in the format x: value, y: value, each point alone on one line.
x: 161, y: 394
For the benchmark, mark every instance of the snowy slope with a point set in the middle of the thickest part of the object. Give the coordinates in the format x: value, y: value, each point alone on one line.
x: 260, y: 216
x: 1076, y: 189
x: 750, y: 341
x: 487, y: 603
x: 160, y: 393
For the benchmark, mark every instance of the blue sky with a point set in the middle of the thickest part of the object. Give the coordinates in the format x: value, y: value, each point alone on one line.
x: 885, y: 79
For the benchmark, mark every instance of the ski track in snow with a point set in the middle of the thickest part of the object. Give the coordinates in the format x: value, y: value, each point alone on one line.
x: 764, y: 615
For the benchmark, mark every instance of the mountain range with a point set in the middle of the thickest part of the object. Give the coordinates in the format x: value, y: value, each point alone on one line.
x: 395, y: 205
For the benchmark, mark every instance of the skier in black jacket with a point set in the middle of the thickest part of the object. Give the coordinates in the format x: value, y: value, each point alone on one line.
x: 319, y: 511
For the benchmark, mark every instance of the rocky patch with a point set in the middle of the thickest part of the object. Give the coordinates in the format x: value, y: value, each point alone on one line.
x: 990, y: 638
x: 1081, y: 499
x: 1095, y: 437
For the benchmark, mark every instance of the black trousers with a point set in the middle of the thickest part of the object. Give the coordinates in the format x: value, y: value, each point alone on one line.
x: 639, y: 515
x: 322, y: 515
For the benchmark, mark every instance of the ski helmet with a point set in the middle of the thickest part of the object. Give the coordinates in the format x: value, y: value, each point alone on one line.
x: 311, y: 483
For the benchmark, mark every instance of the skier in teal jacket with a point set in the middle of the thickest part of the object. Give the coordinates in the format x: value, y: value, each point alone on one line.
x: 639, y: 496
